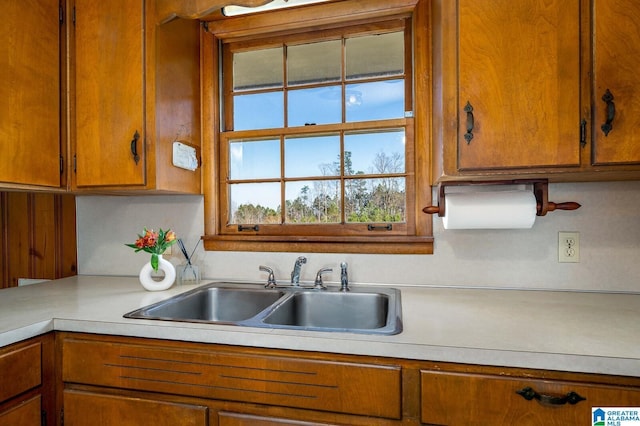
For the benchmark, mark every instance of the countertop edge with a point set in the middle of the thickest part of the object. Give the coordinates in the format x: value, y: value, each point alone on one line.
x: 579, y: 332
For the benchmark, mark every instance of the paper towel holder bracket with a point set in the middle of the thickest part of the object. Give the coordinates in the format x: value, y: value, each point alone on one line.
x: 540, y: 190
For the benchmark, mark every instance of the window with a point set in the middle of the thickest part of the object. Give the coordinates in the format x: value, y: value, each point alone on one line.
x: 314, y: 141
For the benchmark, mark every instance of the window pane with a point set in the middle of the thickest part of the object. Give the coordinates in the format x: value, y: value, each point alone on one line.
x: 258, y: 111
x: 258, y: 69
x: 314, y: 62
x: 379, y: 100
x: 375, y: 55
x: 321, y: 105
x: 257, y: 159
x: 313, y: 201
x: 312, y: 156
x: 375, y: 200
x: 375, y: 153
x: 252, y: 203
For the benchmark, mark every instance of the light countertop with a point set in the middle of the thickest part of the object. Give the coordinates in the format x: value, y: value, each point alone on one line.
x: 566, y: 331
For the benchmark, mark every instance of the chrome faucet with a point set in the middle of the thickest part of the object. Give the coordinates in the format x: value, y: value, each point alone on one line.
x: 271, y: 280
x: 295, y: 274
x: 344, y: 277
x: 318, y: 284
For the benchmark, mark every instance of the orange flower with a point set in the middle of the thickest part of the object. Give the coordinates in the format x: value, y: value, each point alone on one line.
x: 154, y: 242
x: 140, y: 243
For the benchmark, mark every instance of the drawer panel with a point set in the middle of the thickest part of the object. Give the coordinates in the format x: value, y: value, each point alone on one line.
x: 467, y: 399
x: 28, y: 413
x: 20, y: 370
x: 236, y: 419
x: 86, y: 408
x: 363, y: 389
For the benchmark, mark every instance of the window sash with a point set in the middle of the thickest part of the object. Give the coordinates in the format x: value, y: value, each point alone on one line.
x: 342, y: 228
x: 416, y: 235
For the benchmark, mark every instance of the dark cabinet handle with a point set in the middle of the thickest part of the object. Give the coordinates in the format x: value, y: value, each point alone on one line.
x: 570, y: 398
x: 611, y: 112
x: 469, y: 110
x: 134, y: 147
x: 387, y: 227
x: 583, y: 133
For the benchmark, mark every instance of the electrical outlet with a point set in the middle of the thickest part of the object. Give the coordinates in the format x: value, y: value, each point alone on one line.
x: 568, y: 247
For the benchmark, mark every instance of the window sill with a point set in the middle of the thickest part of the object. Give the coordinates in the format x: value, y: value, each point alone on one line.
x: 314, y: 244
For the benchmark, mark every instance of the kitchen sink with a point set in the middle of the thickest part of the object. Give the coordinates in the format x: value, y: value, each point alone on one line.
x: 335, y: 310
x: 368, y: 310
x: 211, y: 304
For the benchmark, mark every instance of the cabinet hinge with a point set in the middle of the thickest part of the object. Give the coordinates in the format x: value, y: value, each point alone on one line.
x: 61, y: 14
x: 583, y: 133
x: 73, y: 15
x: 62, y: 417
x: 61, y: 164
x: 43, y: 417
x: 75, y: 162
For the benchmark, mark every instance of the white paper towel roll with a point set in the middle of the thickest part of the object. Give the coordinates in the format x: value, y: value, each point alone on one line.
x: 490, y: 210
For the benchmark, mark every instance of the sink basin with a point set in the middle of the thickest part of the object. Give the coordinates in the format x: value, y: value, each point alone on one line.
x: 368, y: 310
x: 336, y: 310
x: 211, y: 304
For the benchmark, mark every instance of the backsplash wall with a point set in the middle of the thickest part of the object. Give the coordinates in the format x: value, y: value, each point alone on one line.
x: 608, y: 223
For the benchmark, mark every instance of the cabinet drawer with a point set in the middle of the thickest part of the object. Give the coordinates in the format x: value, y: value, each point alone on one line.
x: 236, y: 419
x: 20, y: 370
x: 469, y: 399
x: 28, y: 413
x: 343, y: 387
x: 86, y: 408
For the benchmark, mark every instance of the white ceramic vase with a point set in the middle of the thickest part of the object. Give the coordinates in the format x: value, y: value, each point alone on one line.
x: 146, y: 275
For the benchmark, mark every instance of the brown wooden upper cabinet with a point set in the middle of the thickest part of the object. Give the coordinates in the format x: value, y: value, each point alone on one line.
x: 616, y: 92
x: 137, y: 93
x: 514, y: 94
x: 30, y: 86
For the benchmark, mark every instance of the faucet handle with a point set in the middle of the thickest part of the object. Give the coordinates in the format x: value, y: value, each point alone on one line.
x: 271, y: 280
x: 318, y: 283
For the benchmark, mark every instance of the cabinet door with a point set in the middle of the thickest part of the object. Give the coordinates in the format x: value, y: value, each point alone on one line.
x: 109, y: 93
x: 519, y: 69
x: 467, y: 399
x: 30, y: 93
x: 237, y: 419
x: 94, y: 409
x: 616, y: 64
x: 27, y: 413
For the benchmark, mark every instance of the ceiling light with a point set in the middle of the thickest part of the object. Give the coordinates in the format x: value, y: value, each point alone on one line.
x: 275, y: 4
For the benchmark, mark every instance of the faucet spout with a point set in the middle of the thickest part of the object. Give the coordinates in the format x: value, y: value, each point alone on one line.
x: 295, y: 274
x: 344, y: 277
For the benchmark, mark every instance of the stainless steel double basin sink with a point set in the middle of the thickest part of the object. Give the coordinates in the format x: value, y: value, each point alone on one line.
x: 365, y: 310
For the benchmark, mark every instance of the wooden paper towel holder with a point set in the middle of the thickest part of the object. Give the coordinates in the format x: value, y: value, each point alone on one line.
x: 540, y: 190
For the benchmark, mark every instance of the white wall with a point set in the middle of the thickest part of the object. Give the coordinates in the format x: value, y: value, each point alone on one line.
x: 608, y: 222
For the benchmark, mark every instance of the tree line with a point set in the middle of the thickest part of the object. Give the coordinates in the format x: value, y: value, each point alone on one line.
x: 366, y: 200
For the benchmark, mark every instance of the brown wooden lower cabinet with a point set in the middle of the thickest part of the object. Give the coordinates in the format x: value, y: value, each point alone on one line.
x: 27, y: 413
x: 237, y: 419
x: 470, y: 399
x: 95, y: 409
x: 111, y: 380
x: 27, y: 385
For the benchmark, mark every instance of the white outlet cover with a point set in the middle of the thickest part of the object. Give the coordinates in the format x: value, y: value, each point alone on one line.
x: 568, y: 247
